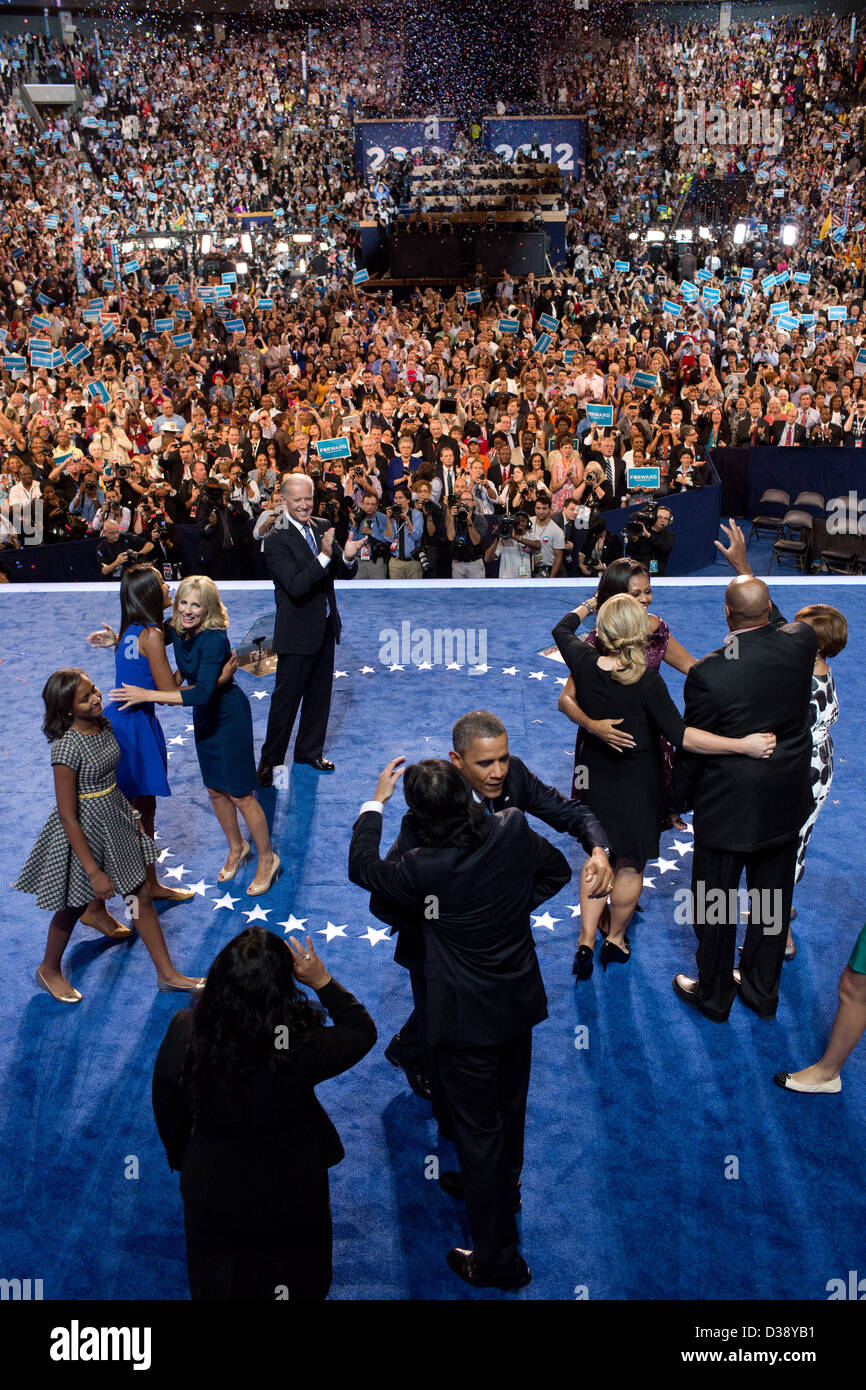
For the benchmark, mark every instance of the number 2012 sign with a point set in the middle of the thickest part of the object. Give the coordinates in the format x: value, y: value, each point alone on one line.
x: 376, y: 141
x: 561, y: 140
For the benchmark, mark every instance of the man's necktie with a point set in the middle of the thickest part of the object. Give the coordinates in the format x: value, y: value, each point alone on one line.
x: 609, y: 470
x: 488, y: 805
x: 313, y: 544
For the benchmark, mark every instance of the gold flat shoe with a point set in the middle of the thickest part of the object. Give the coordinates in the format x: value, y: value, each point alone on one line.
x: 120, y: 933
x: 73, y: 998
x: 195, y: 988
x: 172, y: 895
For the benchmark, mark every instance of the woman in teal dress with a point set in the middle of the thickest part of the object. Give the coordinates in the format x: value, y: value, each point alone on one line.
x: 849, y: 1026
x: 222, y: 721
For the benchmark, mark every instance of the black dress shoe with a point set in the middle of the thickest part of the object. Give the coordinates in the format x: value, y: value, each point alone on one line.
x: 688, y: 992
x: 738, y: 981
x: 265, y: 775
x: 515, y: 1276
x: 416, y: 1078
x: 452, y: 1183
x: 320, y: 764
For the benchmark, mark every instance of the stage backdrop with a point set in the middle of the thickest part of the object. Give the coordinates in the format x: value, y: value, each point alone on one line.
x: 375, y: 140
x: 562, y: 138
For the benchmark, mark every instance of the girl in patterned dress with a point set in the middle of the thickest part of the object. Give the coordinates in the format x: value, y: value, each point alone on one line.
x: 831, y: 629
x: 91, y: 846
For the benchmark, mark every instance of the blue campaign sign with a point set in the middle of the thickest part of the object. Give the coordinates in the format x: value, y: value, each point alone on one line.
x: 671, y: 308
x: 98, y: 391
x: 801, y: 277
x: 182, y: 340
x: 39, y: 345
x: 131, y: 267
x: 621, y: 267
x: 780, y: 307
x: 473, y: 297
x: 746, y: 273
x: 689, y: 291
x: 507, y: 326
x: 782, y: 277
x: 711, y: 293
x: 77, y: 354
x: 647, y: 380
x: 768, y: 283
x: 703, y: 275
x: 376, y: 140
x: 14, y: 364
x: 568, y: 356
x: 599, y: 414
x: 236, y: 326
x: 163, y: 325
x: 222, y: 291
x: 543, y: 343
x: 108, y: 330
x: 40, y: 323
x: 788, y: 322
x: 548, y: 322
x: 647, y: 479
x: 561, y: 139
x: 229, y: 277
x: 836, y: 313
x: 333, y: 448
x: 266, y: 303
x: 360, y: 276
x: 171, y: 289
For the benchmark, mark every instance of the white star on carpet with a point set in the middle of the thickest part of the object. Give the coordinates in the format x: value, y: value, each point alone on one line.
x: 329, y: 931
x: 198, y: 887
x: 575, y: 909
x: 545, y: 921
x: 258, y: 914
x: 338, y: 674
x: 293, y: 924
x: 163, y: 855
x: 367, y: 670
x: 225, y: 901
x: 478, y: 670
x: 180, y: 739
x: 666, y: 866
x: 537, y: 675
x: 189, y: 728
x: 396, y: 667
x: 374, y: 936
x: 156, y: 835
x: 510, y: 670
x: 682, y: 848
x: 176, y: 873
x: 260, y: 694
x: 649, y: 883
x: 562, y: 680
x: 453, y: 666
x: 424, y: 666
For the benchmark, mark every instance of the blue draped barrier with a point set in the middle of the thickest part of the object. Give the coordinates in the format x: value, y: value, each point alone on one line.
x: 695, y: 527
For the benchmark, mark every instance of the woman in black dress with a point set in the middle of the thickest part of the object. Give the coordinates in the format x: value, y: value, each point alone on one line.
x: 235, y: 1104
x: 625, y: 787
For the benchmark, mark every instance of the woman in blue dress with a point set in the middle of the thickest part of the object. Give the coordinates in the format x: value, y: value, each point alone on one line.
x: 222, y: 720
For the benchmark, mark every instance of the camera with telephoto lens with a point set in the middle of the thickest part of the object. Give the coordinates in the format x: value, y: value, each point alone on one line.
x: 462, y: 515
x: 123, y: 470
x: 505, y: 525
x: 646, y: 517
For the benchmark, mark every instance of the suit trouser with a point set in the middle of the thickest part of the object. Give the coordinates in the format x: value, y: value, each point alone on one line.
x: 301, y: 678
x: 771, y: 873
x: 486, y: 1090
x: 230, y: 1258
x: 423, y: 1057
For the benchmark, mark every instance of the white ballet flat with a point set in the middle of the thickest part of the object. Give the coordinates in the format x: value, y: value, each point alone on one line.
x: 827, y: 1088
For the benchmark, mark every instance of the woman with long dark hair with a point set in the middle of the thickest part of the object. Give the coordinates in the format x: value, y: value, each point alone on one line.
x: 235, y: 1104
x: 92, y: 845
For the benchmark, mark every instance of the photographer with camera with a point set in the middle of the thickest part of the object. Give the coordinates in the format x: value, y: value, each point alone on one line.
x: 434, y: 550
x: 225, y: 534
x: 595, y: 492
x: 649, y: 539
x: 117, y: 549
x: 404, y: 533
x: 512, y: 546
x: 87, y: 500
x: 572, y: 522
x: 547, y: 558
x: 599, y: 547
x: 368, y: 526
x: 466, y: 532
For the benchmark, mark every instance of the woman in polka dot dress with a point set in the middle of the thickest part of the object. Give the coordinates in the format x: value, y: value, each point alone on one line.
x: 92, y: 845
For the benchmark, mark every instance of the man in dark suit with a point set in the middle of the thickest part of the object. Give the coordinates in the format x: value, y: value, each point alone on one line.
x: 748, y: 812
x: 498, y: 781
x: 788, y: 432
x: 476, y: 878
x: 303, y: 559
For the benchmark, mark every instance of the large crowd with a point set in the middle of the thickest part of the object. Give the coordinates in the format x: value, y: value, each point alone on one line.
x: 139, y: 394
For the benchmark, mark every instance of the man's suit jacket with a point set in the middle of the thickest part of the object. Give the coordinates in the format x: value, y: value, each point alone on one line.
x: 764, y: 433
x: 779, y: 427
x: 833, y: 440
x: 483, y: 980
x: 521, y: 789
x: 304, y: 588
x: 761, y: 684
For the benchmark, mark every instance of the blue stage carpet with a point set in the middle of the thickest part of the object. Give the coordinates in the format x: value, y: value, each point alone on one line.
x: 631, y: 1140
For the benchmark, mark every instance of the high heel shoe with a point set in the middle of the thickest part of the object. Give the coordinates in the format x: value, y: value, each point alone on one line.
x: 73, y: 998
x: 275, y: 873
x: 195, y: 988
x: 614, y: 955
x: 583, y: 963
x: 223, y: 877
